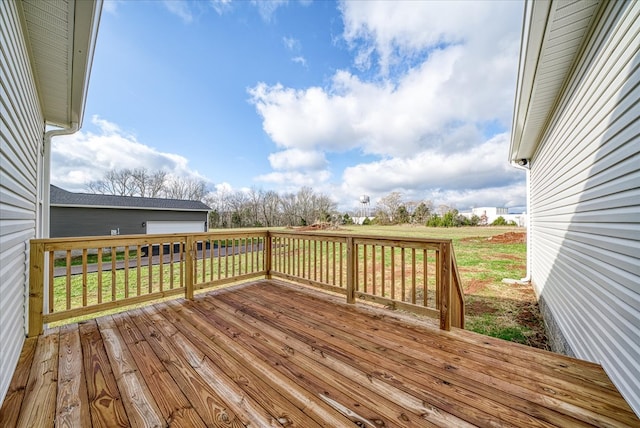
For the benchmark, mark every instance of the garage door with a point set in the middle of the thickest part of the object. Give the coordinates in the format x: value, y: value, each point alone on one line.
x: 154, y: 227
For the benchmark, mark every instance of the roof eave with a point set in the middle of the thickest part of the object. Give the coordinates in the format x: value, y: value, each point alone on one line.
x: 543, y: 74
x: 61, y: 39
x: 117, y: 207
x: 86, y: 23
x: 536, y: 15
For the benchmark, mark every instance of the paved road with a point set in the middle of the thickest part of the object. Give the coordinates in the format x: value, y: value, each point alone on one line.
x: 155, y: 260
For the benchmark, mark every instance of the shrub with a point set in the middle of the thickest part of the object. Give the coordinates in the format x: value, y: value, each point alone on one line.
x: 500, y: 221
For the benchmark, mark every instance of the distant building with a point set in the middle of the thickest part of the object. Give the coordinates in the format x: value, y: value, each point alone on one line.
x: 492, y: 213
x: 86, y: 214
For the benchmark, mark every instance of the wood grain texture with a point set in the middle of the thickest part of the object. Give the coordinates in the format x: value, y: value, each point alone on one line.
x: 140, y: 405
x: 105, y: 404
x: 270, y: 353
x: 72, y: 408
x: 174, y: 406
x: 38, y: 407
x: 10, y: 409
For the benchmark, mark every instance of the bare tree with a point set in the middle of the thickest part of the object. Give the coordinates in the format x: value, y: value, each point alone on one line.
x: 443, y: 209
x: 324, y: 207
x: 387, y: 206
x: 149, y: 184
x: 255, y: 200
x: 305, y: 205
x: 141, y: 182
x: 238, y: 205
x: 269, y: 209
x: 289, y: 210
x: 185, y: 188
x: 115, y: 182
x: 218, y: 202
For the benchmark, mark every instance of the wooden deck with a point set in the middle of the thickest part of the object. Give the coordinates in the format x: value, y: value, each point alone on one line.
x: 273, y: 354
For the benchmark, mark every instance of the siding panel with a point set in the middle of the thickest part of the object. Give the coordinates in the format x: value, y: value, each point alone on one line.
x: 20, y: 137
x: 79, y: 221
x: 585, y: 202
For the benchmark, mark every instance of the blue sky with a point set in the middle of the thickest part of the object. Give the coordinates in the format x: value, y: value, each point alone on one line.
x: 349, y: 98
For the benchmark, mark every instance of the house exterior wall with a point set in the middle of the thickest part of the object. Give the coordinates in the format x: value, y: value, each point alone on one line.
x: 493, y: 213
x: 21, y: 131
x: 85, y: 221
x: 585, y: 204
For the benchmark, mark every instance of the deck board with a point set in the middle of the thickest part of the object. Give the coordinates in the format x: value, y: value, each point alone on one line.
x: 15, y: 395
x: 174, y: 406
x: 410, y: 375
x: 72, y: 407
x: 105, y: 405
x: 38, y: 407
x: 269, y: 353
x: 471, y: 372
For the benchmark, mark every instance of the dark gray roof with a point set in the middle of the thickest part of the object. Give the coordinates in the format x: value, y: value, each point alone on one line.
x: 61, y: 197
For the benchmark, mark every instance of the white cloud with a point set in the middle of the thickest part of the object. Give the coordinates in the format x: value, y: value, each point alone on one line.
x: 268, y: 8
x: 298, y: 159
x: 291, y: 181
x: 180, y: 9
x: 111, y: 6
x: 380, y: 117
x: 291, y: 43
x: 481, y: 166
x: 509, y: 196
x: 221, y: 6
x: 401, y: 30
x: 82, y: 157
x: 299, y: 60
x: 433, y: 84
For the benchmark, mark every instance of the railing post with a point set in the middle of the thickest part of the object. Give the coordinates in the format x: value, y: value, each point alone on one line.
x: 268, y: 243
x: 36, y: 288
x: 189, y: 268
x: 445, y: 286
x: 351, y: 271
x: 457, y: 299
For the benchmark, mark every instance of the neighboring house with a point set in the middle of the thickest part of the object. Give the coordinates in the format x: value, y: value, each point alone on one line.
x: 577, y: 130
x: 45, y: 63
x: 85, y: 214
x: 492, y: 213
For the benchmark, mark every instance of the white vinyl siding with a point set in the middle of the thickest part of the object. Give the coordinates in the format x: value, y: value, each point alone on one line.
x: 21, y: 128
x: 585, y: 202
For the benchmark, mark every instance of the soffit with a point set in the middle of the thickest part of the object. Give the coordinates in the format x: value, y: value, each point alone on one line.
x: 553, y: 35
x: 61, y: 38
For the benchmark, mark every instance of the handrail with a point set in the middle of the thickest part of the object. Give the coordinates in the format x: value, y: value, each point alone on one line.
x: 413, y: 274
x: 457, y: 307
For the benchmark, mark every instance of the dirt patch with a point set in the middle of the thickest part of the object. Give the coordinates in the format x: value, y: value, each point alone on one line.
x: 317, y: 226
x: 479, y: 307
x: 475, y: 285
x: 505, y: 238
x: 529, y: 316
x: 509, y: 238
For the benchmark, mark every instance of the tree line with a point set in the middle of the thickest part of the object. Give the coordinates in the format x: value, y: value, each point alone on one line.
x: 267, y: 208
x: 148, y: 184
x: 253, y: 208
x: 258, y: 208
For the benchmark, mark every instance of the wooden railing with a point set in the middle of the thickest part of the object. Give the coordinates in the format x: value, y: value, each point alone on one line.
x: 418, y: 275
x: 94, y: 274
